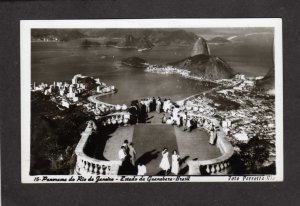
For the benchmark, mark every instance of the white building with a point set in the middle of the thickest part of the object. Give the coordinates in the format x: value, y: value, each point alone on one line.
x: 74, y: 79
x: 240, y: 76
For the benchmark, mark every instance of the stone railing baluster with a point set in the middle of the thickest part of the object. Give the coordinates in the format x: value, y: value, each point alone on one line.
x: 213, y: 170
x: 88, y: 165
x: 207, y: 169
x: 217, y: 168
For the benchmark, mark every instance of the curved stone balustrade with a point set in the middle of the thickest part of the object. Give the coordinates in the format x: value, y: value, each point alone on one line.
x: 216, y: 165
x: 88, y: 165
x: 117, y: 118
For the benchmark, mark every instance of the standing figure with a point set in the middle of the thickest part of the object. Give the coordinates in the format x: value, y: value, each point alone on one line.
x: 158, y: 106
x: 175, y: 163
x: 164, y: 119
x: 132, y: 154
x: 143, y: 113
x: 153, y: 104
x: 126, y: 147
x: 188, y: 124
x: 141, y: 169
x: 178, y: 120
x: 122, y: 153
x: 147, y: 104
x: 165, y: 164
x: 212, y: 135
x: 184, y: 118
x: 165, y: 105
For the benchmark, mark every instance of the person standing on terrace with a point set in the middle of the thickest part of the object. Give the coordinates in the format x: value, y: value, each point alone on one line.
x: 184, y: 118
x: 122, y: 153
x: 126, y: 147
x: 212, y: 135
x: 153, y: 104
x: 158, y: 105
x: 141, y: 169
x: 132, y: 154
x: 165, y: 164
x: 147, y: 104
x: 175, y: 163
x: 188, y: 124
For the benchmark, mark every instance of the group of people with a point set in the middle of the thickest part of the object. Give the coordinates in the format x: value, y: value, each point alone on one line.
x: 147, y: 105
x: 165, y: 164
x: 127, y: 155
x: 127, y: 152
x: 156, y: 104
x: 178, y: 118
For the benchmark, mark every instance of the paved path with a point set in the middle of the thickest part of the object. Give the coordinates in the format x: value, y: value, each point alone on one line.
x: 114, y: 143
x: 149, y: 142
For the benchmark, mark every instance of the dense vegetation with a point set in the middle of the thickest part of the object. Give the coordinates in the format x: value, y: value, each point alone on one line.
x: 54, y: 136
x: 252, y: 157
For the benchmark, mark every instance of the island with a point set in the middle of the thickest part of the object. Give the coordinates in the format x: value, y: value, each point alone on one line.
x: 135, y: 62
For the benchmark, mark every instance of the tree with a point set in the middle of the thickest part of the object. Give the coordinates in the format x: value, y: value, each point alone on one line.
x: 254, y: 154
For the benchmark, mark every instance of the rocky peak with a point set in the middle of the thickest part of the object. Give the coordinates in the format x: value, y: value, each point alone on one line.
x: 200, y: 47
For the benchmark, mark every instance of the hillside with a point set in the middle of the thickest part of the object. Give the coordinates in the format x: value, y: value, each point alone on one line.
x: 61, y: 34
x: 155, y: 36
x: 135, y: 42
x: 268, y: 82
x: 218, y: 40
x: 208, y: 67
x: 173, y: 37
x: 54, y: 136
x: 200, y: 47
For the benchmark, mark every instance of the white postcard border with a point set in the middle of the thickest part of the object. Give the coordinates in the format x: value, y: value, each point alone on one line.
x: 25, y: 49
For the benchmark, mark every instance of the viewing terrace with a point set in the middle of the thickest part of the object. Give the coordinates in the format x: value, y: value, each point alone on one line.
x: 97, y: 152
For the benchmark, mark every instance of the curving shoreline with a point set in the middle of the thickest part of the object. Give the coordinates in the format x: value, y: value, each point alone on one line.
x: 94, y: 99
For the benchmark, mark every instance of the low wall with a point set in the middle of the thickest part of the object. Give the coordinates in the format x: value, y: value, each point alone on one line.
x: 216, y: 165
x: 87, y: 165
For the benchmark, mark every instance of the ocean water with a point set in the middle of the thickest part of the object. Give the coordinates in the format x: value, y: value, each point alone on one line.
x: 60, y: 61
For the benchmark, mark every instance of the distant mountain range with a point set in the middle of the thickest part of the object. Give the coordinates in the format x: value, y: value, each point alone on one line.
x: 153, y: 36
x: 132, y: 42
x: 60, y: 34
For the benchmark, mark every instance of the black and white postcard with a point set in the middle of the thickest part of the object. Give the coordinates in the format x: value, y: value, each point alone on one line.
x: 156, y: 100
